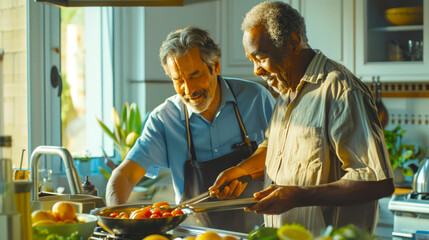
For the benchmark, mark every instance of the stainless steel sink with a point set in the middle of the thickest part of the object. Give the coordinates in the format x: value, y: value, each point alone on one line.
x: 45, y: 201
x: 83, y: 203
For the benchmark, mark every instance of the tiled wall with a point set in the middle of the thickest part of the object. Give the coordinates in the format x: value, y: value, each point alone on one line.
x: 13, y: 74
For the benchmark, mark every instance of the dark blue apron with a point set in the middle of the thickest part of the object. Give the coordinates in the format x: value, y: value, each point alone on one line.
x: 199, y: 176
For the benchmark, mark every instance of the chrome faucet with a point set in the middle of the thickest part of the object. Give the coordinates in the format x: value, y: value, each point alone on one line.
x: 71, y: 171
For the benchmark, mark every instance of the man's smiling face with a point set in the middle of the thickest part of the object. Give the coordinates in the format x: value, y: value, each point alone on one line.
x: 269, y: 62
x: 193, y: 80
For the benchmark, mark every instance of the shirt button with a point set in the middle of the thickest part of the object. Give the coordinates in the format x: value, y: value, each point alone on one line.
x: 280, y: 153
x: 215, y: 150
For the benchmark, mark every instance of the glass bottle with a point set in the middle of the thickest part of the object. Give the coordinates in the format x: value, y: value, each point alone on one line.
x: 10, y: 219
x: 89, y: 188
x: 48, y: 185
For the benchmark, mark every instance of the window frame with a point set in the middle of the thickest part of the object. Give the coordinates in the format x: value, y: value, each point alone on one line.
x: 44, y: 104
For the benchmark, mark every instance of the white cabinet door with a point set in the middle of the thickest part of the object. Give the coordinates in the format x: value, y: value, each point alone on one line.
x: 373, y: 36
x: 234, y: 62
x: 330, y: 28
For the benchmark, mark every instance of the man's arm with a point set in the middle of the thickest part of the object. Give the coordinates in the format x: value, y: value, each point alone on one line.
x: 278, y: 199
x: 254, y: 166
x: 122, y: 182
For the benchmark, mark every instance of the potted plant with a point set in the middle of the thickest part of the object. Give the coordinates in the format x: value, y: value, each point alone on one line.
x: 400, y: 154
x: 126, y: 130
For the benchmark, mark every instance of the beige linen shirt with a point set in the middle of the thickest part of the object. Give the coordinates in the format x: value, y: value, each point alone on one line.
x: 329, y: 131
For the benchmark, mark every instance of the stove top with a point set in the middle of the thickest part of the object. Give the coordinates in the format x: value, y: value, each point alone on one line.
x: 179, y: 233
x: 410, y: 215
x: 413, y: 202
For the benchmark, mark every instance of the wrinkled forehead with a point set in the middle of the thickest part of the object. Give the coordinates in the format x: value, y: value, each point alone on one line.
x: 186, y: 64
x: 256, y: 40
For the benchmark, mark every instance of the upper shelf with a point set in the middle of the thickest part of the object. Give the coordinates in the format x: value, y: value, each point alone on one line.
x: 398, y: 28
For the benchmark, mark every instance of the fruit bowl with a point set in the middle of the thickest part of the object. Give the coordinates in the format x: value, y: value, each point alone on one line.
x: 404, y: 16
x: 84, y: 228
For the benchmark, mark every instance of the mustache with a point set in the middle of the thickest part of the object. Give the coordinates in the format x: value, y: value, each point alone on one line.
x: 195, y: 94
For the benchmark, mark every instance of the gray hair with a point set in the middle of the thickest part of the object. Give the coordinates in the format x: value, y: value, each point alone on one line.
x: 278, y: 18
x: 180, y: 41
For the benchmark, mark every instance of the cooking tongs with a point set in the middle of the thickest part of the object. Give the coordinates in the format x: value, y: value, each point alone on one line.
x: 206, y: 195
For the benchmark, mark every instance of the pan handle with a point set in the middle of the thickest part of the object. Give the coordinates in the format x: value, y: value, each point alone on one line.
x: 206, y: 195
x: 223, y: 205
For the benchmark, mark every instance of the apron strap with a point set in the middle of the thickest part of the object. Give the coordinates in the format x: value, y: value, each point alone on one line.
x: 243, y: 131
x: 191, y: 148
x: 244, y: 136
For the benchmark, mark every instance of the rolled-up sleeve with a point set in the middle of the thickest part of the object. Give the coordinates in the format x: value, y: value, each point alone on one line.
x: 357, y: 138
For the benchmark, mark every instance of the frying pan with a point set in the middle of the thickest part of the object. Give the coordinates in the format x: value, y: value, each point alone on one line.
x: 138, y: 228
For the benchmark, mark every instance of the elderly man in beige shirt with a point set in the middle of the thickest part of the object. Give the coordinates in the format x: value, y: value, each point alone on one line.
x: 324, y: 159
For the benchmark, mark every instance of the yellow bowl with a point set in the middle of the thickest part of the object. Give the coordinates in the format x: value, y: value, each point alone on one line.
x: 404, y: 15
x: 84, y: 228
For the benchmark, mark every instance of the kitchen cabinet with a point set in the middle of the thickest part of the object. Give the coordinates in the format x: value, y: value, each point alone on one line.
x: 234, y: 62
x: 330, y: 28
x: 382, y: 48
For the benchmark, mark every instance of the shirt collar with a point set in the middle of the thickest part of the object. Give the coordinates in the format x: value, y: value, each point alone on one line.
x: 225, y: 95
x: 314, y: 71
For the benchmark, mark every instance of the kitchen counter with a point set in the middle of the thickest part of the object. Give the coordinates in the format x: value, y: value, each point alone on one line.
x: 401, y: 190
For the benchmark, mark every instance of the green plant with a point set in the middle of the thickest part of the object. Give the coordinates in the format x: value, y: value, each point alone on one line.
x: 400, y: 153
x: 126, y: 129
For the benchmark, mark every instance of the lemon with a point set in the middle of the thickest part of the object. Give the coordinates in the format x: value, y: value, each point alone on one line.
x: 64, y: 211
x: 209, y: 235
x: 44, y: 223
x: 41, y: 215
x: 294, y: 232
x: 190, y: 238
x: 324, y: 238
x: 156, y: 237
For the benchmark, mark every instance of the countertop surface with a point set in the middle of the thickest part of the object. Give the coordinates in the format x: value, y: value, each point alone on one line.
x: 402, y: 190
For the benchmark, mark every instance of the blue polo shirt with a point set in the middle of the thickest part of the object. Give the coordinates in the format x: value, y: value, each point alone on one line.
x: 163, y: 141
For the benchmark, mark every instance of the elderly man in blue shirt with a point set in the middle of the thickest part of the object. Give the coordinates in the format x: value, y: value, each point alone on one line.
x: 210, y: 125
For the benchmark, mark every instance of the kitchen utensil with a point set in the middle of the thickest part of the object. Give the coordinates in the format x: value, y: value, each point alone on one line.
x: 404, y: 15
x: 85, y: 227
x: 206, y: 195
x: 383, y: 115
x: 21, y: 174
x: 137, y: 228
x: 421, y: 178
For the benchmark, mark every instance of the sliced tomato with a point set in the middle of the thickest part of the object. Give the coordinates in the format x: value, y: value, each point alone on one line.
x: 177, y: 212
x: 167, y: 214
x: 156, y: 210
x: 161, y: 204
x: 155, y: 216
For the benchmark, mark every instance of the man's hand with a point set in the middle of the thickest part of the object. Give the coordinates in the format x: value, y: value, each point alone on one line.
x: 234, y: 189
x: 276, y: 199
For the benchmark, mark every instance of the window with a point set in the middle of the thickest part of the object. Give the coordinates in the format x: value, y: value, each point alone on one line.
x: 87, y: 75
x: 13, y: 77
